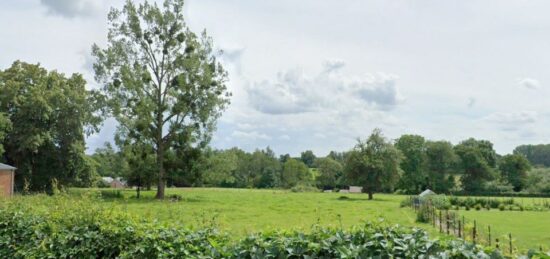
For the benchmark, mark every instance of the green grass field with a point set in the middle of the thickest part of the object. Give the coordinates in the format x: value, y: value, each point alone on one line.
x: 242, y: 211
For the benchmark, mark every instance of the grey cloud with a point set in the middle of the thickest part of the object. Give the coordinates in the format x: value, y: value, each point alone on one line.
x: 71, y: 8
x: 333, y: 65
x: 382, y: 93
x: 294, y: 92
x: 513, y: 121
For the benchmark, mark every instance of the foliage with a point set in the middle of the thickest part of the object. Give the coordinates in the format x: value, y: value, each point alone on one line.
x: 477, y: 161
x: 304, y: 188
x: 5, y: 126
x: 308, y: 158
x: 330, y: 172
x: 538, y: 155
x: 441, y: 161
x: 295, y: 172
x: 413, y: 148
x: 373, y: 164
x: 83, y: 230
x: 49, y: 114
x: 162, y: 81
x: 514, y: 170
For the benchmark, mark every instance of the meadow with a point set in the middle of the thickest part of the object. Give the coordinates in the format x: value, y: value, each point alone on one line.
x: 244, y: 211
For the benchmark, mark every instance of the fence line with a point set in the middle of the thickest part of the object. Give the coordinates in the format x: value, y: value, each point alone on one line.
x: 452, y: 224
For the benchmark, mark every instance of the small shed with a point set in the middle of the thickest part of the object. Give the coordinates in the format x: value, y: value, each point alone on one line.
x: 115, y: 182
x: 7, y: 174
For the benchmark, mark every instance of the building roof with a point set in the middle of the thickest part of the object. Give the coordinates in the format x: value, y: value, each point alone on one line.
x: 6, y: 167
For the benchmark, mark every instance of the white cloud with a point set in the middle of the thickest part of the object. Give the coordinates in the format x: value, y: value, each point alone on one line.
x: 471, y: 102
x: 529, y: 83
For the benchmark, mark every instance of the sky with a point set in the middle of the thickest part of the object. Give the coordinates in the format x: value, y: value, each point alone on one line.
x: 318, y: 75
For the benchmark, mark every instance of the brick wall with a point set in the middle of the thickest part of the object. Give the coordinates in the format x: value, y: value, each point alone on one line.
x: 6, y: 183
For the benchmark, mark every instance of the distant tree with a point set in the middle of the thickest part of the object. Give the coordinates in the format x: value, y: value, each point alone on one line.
x: 162, y: 81
x: 294, y: 172
x: 108, y: 162
x: 441, y: 160
x: 308, y: 158
x: 373, y: 164
x: 413, y: 148
x: 337, y: 156
x: 477, y: 161
x: 221, y: 168
x: 514, y: 170
x: 538, y: 155
x: 330, y: 172
x: 49, y: 114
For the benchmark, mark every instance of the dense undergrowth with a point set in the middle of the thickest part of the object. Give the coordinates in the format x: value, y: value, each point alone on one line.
x: 68, y: 227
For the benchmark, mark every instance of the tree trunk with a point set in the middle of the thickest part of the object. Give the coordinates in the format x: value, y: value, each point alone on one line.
x: 161, y: 183
x: 370, y: 195
x: 138, y: 190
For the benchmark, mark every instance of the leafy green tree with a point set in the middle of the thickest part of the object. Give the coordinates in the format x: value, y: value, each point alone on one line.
x: 49, y: 115
x: 413, y: 148
x: 514, y: 170
x: 441, y: 160
x: 5, y: 126
x: 139, y: 165
x: 477, y: 161
x: 294, y: 172
x: 221, y: 168
x: 330, y: 172
x: 308, y: 157
x: 161, y: 80
x: 373, y: 164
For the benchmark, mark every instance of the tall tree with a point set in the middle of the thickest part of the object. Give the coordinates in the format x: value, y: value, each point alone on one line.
x: 373, y: 164
x: 538, y: 155
x: 514, y: 170
x: 413, y: 148
x: 478, y: 161
x: 440, y: 162
x: 162, y: 81
x: 49, y: 115
x: 108, y: 161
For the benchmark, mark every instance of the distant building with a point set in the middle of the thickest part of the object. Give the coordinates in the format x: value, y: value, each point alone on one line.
x: 427, y: 192
x: 355, y: 189
x: 114, y: 182
x: 7, y: 174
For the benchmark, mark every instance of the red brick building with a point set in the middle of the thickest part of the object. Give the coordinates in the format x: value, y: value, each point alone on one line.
x: 6, y: 180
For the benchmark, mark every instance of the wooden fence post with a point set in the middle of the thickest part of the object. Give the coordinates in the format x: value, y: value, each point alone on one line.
x: 440, y: 223
x: 474, y: 232
x: 447, y: 221
x: 489, y: 227
x: 433, y: 216
x: 497, y: 244
x: 459, y: 228
x: 511, y: 247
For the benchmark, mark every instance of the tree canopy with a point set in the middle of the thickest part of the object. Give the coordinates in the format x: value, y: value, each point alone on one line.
x: 162, y: 81
x: 49, y: 115
x: 514, y: 170
x: 373, y: 164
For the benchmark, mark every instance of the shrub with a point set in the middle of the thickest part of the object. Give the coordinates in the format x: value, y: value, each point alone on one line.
x: 502, y: 207
x: 304, y: 188
x: 478, y: 206
x: 111, y: 194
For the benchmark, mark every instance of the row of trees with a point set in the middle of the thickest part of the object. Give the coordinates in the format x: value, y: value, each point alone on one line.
x: 538, y: 155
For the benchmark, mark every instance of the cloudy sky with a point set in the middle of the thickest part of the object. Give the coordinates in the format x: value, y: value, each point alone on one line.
x: 318, y: 74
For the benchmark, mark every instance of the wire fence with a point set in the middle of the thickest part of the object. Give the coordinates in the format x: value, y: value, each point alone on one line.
x: 453, y: 224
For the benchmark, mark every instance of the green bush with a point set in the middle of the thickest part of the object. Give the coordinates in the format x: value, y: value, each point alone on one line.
x: 423, y: 214
x: 502, y: 207
x: 111, y: 194
x: 478, y: 206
